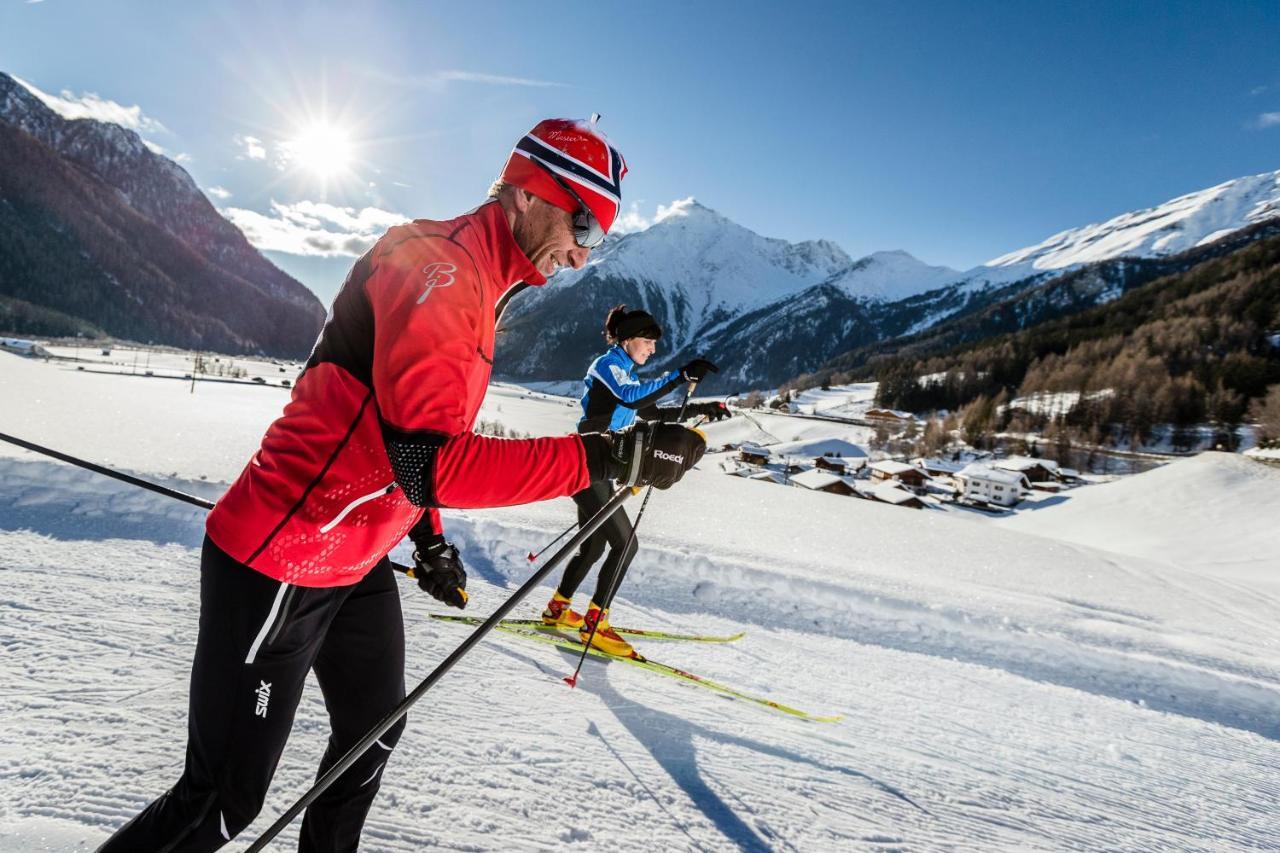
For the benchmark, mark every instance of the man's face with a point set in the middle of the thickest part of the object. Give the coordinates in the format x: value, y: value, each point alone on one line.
x: 544, y: 233
x: 640, y: 349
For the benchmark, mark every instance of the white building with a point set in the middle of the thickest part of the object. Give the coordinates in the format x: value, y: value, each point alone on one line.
x: 992, y: 485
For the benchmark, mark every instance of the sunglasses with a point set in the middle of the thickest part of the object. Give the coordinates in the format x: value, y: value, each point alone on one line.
x: 587, y: 232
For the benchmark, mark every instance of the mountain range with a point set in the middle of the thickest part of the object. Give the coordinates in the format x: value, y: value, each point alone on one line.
x: 101, y: 235
x: 767, y: 310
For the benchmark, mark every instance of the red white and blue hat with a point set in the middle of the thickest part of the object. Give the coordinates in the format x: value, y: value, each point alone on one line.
x: 577, y: 153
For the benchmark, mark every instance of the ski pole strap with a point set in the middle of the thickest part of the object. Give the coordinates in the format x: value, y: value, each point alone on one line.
x: 108, y: 472
x: 322, y: 784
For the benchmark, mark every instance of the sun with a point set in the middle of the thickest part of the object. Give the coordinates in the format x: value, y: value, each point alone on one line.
x: 323, y: 149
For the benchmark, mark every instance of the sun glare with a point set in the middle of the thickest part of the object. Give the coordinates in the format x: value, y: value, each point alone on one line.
x: 322, y: 149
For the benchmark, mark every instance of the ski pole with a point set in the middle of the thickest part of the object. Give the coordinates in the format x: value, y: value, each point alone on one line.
x: 353, y: 754
x: 532, y: 557
x: 572, y: 680
x: 108, y: 472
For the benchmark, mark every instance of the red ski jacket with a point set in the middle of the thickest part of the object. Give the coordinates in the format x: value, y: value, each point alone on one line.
x: 379, y: 426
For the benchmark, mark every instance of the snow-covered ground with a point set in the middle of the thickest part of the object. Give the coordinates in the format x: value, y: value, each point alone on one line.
x: 1024, y: 684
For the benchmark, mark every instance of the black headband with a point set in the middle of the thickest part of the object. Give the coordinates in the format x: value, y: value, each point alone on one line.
x: 637, y: 324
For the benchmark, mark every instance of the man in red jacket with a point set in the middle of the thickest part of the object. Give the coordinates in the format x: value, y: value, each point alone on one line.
x: 294, y: 573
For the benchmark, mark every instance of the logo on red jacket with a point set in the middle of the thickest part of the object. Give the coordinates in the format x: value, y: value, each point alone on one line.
x: 439, y: 274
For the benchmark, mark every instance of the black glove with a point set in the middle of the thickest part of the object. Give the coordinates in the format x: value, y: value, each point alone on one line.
x: 654, y: 454
x: 697, y: 370
x: 438, y: 570
x: 711, y: 411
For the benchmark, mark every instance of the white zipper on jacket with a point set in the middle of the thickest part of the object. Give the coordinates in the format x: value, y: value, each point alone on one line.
x: 337, y: 519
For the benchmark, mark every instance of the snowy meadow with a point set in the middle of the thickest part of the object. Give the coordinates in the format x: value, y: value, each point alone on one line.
x: 1097, y: 672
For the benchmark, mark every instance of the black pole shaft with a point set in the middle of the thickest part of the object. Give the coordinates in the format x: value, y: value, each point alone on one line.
x: 108, y: 472
x: 400, y: 710
x: 617, y: 580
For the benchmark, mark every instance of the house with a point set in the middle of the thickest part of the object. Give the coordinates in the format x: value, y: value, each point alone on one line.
x: 889, y: 469
x: 840, y: 464
x: 935, y: 467
x: 1035, y: 470
x: 30, y: 349
x: 793, y: 467
x: 890, y: 416
x: 892, y: 493
x: 822, y: 481
x: 766, y: 476
x: 754, y: 454
x: 985, y: 484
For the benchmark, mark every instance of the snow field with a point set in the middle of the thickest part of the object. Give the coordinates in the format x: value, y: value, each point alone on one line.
x: 1000, y: 690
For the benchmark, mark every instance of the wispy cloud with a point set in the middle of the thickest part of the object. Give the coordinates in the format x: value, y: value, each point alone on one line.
x: 251, y: 147
x: 1258, y: 90
x: 220, y: 193
x: 456, y: 76
x: 91, y: 105
x: 440, y: 79
x: 632, y: 220
x: 1268, y: 120
x: 314, y: 228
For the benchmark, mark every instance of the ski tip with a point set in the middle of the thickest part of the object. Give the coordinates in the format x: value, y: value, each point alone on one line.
x: 571, y: 680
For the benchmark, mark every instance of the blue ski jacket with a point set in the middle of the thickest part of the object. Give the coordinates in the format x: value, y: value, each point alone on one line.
x: 612, y: 393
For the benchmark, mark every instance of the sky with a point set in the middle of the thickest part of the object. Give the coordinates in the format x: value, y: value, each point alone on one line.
x: 955, y: 131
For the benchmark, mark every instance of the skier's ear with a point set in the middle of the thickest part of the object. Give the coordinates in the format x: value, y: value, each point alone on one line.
x: 523, y: 199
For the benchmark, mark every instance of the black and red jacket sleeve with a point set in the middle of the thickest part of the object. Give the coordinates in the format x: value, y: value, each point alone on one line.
x: 432, y: 351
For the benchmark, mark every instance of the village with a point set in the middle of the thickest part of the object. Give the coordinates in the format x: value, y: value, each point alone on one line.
x: 962, y: 479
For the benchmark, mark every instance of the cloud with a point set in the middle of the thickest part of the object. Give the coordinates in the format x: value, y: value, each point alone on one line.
x: 631, y: 220
x: 1268, y: 120
x: 220, y: 193
x: 314, y: 228
x: 91, y: 105
x: 1258, y: 90
x: 250, y: 147
x: 440, y: 79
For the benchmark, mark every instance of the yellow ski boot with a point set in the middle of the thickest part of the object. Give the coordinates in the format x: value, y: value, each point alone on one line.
x: 560, y: 614
x: 605, y: 639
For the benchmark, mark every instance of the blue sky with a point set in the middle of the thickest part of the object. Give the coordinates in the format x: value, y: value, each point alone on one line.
x: 956, y: 131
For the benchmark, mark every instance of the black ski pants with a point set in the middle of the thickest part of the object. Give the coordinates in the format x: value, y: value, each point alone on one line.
x: 258, y: 639
x: 614, y: 533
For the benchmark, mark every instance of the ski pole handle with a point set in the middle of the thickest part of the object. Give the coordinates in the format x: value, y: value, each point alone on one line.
x: 407, y: 571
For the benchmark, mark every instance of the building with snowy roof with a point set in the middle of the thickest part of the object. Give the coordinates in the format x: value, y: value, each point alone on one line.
x: 893, y: 493
x: 988, y: 485
x: 890, y: 416
x: 840, y: 464
x: 31, y: 349
x: 754, y: 454
x: 1035, y: 470
x: 891, y: 469
x: 818, y: 480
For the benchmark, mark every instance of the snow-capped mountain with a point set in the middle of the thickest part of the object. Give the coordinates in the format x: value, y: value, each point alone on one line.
x: 1182, y: 223
x: 94, y: 195
x: 697, y: 272
x: 766, y: 310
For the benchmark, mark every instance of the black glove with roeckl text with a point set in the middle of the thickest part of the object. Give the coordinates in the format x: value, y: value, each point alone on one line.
x: 714, y: 411
x: 697, y: 370
x: 438, y: 569
x: 654, y: 454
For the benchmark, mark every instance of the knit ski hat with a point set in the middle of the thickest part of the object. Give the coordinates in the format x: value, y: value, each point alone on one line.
x: 637, y: 324
x: 577, y: 153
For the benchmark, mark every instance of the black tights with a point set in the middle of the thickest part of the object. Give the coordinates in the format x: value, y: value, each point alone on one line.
x: 615, y: 533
